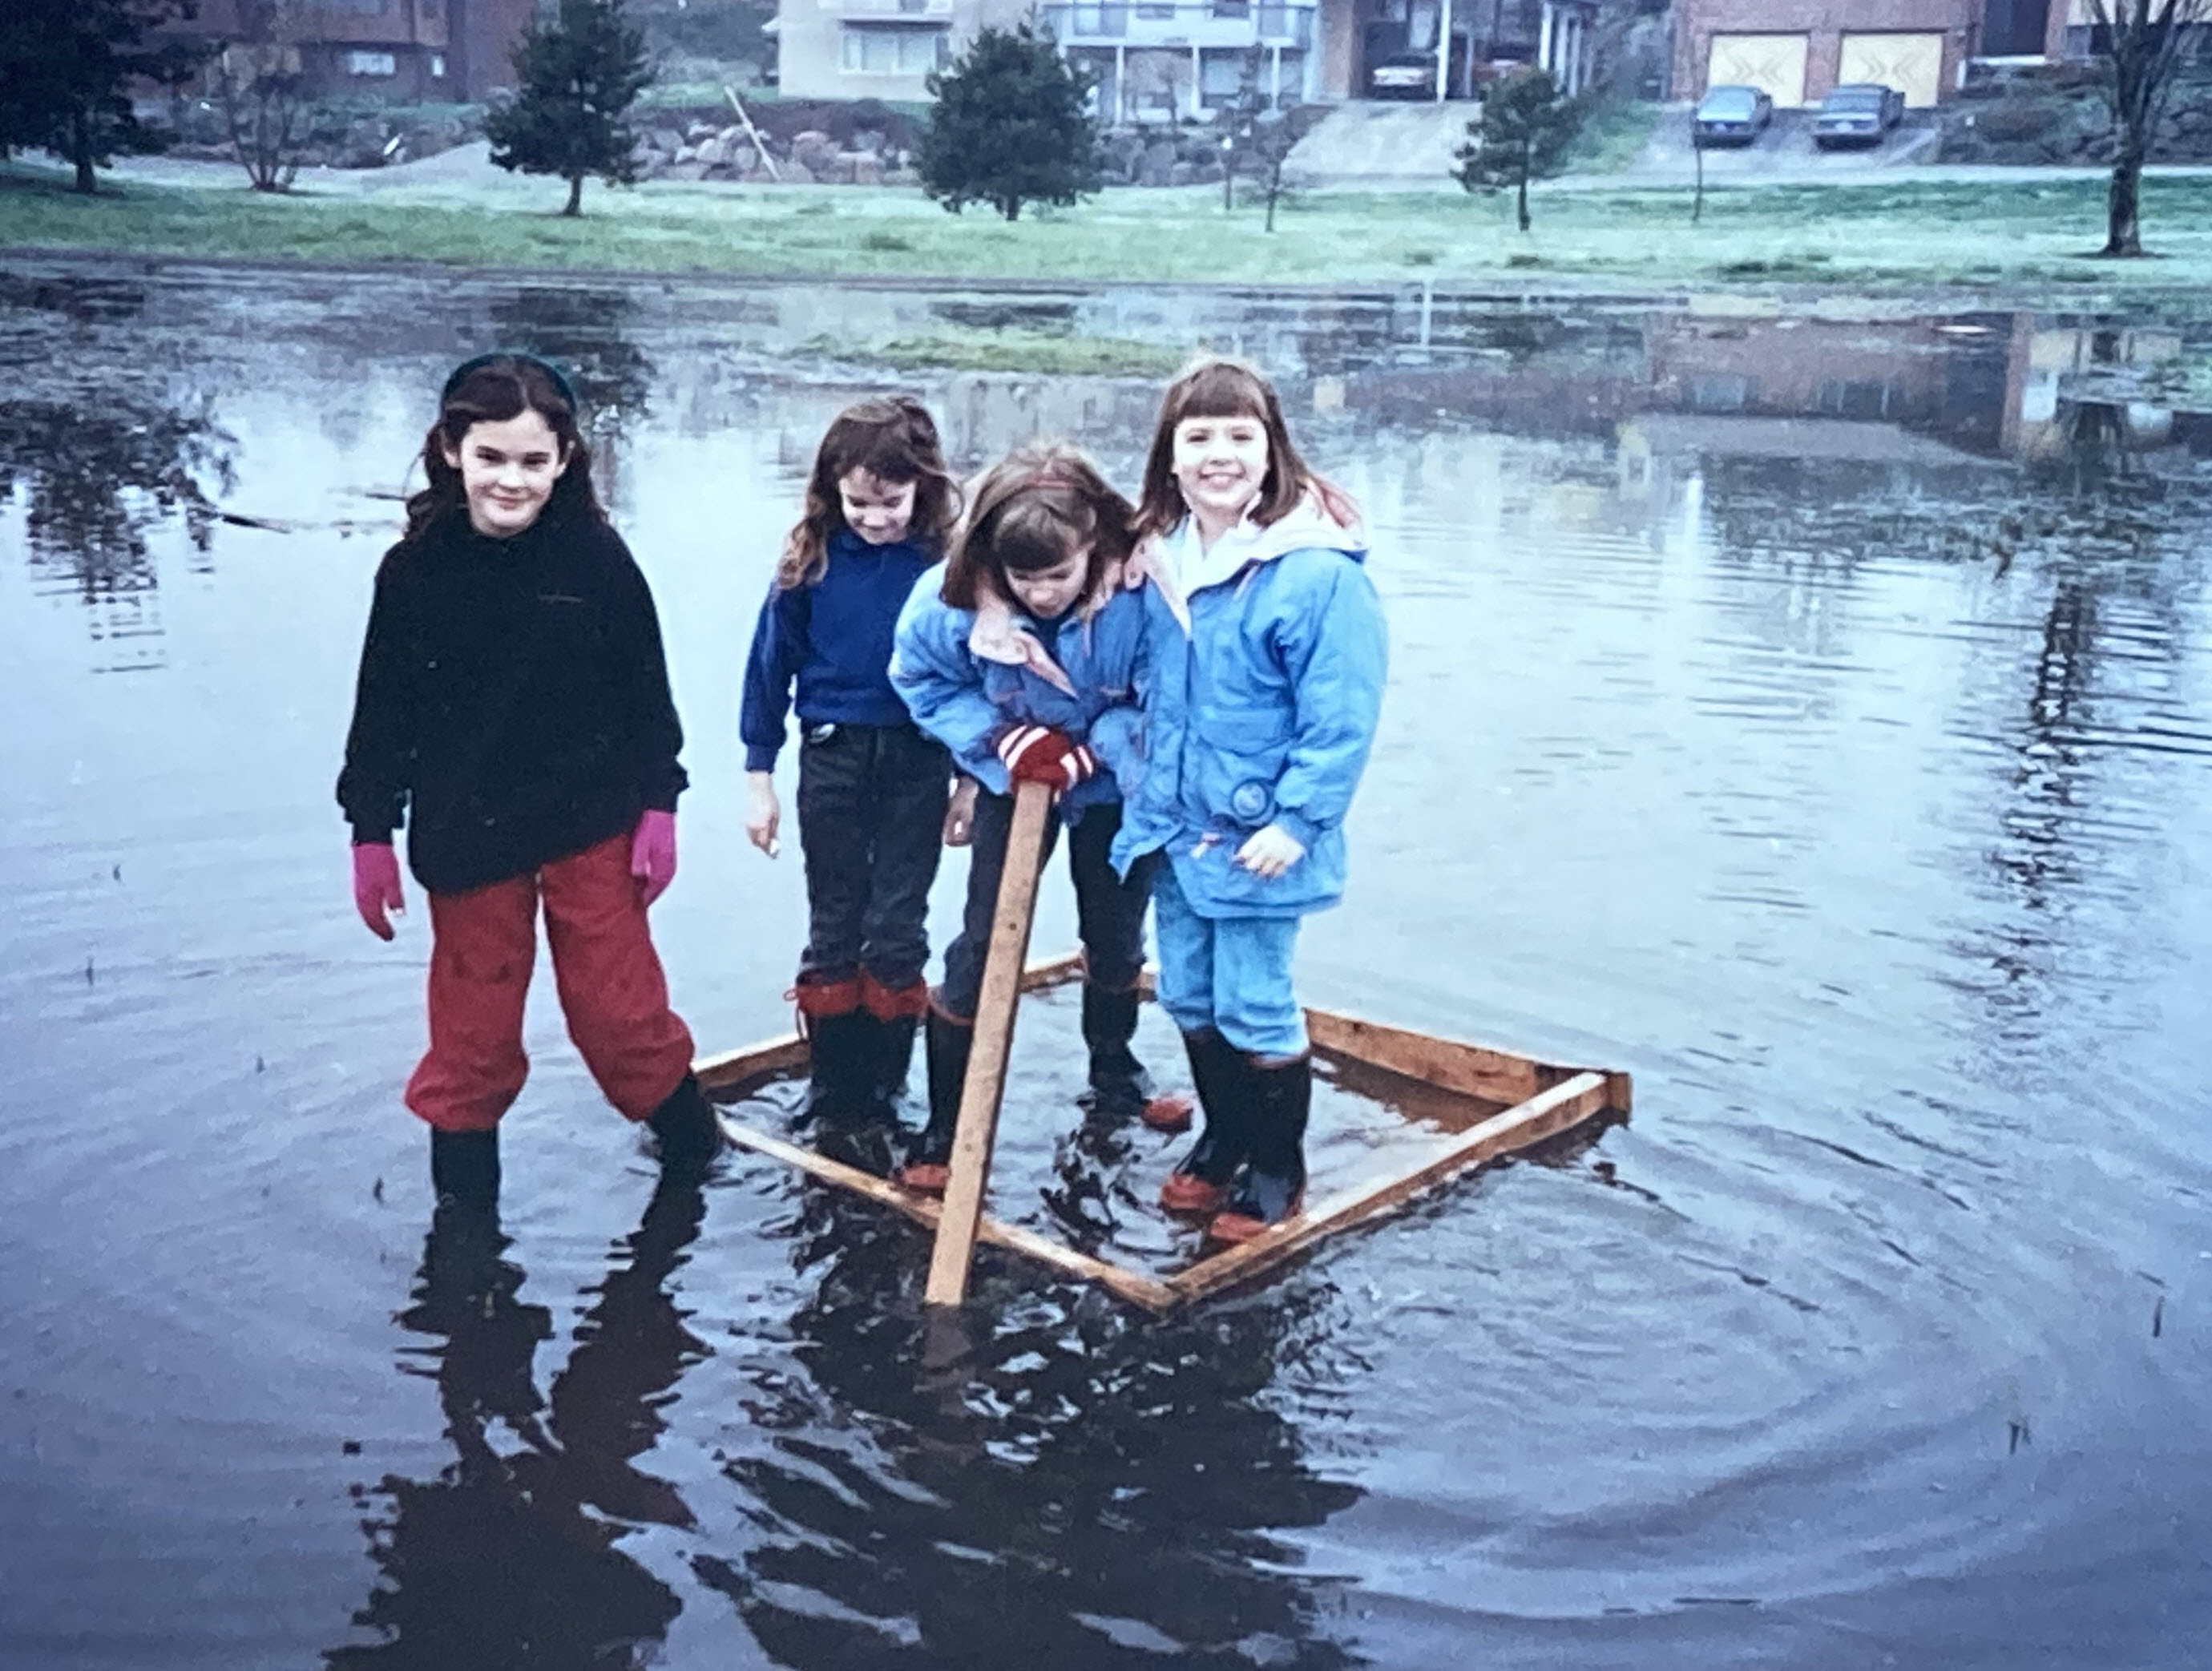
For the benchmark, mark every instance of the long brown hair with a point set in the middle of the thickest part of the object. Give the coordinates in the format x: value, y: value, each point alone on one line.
x: 492, y: 390
x: 1028, y: 512
x: 1218, y: 387
x: 894, y: 439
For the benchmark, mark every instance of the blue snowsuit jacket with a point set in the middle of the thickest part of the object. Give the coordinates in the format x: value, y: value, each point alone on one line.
x: 1261, y: 692
x: 967, y: 675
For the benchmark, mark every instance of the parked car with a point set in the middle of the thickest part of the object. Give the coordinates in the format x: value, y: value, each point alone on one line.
x: 1731, y: 115
x: 1402, y: 75
x: 1857, y: 113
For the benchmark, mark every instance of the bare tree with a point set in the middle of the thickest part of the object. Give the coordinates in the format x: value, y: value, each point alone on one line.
x: 1262, y: 134
x: 2145, y: 43
x: 264, y: 100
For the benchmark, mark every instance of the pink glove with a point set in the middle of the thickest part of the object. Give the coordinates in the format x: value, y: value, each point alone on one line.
x: 376, y: 886
x: 652, y: 853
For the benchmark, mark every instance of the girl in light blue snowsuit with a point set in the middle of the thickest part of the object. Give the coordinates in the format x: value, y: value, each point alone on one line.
x: 1020, y: 654
x: 1266, y: 658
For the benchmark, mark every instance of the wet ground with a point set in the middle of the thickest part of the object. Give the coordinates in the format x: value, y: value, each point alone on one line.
x: 1812, y: 715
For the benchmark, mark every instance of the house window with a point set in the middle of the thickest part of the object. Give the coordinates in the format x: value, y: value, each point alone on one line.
x: 372, y: 63
x: 1157, y: 13
x: 1232, y: 9
x: 893, y: 51
x: 437, y: 66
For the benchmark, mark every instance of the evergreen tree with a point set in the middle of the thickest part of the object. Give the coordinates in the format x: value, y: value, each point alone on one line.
x: 66, y: 70
x: 1010, y: 126
x: 578, y: 75
x: 1523, y: 132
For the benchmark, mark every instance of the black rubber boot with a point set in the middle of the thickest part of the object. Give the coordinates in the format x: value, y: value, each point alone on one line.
x: 1274, y: 1183
x: 465, y: 1169
x: 688, y: 1134
x: 843, y: 1052
x: 1200, y: 1182
x: 947, y: 1044
x: 892, y: 1059
x: 1119, y: 1084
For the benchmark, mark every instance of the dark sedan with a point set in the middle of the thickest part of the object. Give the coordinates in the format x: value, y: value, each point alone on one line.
x: 1857, y: 113
x: 1731, y: 115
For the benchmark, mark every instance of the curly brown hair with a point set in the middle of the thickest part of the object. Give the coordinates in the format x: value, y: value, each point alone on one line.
x: 1028, y: 512
x: 893, y: 438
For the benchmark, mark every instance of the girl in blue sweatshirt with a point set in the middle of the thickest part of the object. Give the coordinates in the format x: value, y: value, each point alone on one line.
x: 873, y: 788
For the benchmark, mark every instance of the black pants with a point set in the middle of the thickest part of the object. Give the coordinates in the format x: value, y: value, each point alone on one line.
x: 1109, y: 913
x: 872, y: 802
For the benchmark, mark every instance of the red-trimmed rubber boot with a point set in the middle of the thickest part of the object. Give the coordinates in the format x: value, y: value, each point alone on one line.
x: 896, y: 1012
x: 838, y: 1034
x: 1273, y: 1186
x: 1200, y: 1181
x: 946, y: 1044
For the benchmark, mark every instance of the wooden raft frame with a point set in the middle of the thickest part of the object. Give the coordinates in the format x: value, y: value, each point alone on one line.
x: 1541, y: 1099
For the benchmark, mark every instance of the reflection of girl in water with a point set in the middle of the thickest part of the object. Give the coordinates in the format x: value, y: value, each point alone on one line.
x: 873, y: 789
x: 1020, y: 655
x: 1266, y: 650
x: 514, y: 708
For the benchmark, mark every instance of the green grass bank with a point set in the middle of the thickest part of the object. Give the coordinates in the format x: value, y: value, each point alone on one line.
x: 2028, y: 237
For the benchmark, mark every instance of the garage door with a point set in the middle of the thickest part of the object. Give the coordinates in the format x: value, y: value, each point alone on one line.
x: 1913, y: 64
x: 1774, y: 63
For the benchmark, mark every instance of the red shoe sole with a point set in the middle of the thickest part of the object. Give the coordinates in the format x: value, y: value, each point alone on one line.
x: 1233, y: 1229
x: 1183, y: 1193
x: 923, y: 1179
x: 1167, y: 1114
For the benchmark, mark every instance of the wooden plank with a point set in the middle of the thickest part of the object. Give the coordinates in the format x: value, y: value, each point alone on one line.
x: 1133, y: 1285
x: 1472, y: 1070
x: 977, y: 1128
x: 787, y: 1051
x: 1542, y: 1115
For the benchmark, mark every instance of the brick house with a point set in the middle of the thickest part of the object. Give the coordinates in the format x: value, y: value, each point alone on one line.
x: 1798, y: 50
x: 1167, y: 60
x: 409, y: 52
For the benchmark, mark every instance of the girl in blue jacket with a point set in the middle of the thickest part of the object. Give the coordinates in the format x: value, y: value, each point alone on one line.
x: 1267, y: 652
x: 873, y: 789
x: 1021, y: 655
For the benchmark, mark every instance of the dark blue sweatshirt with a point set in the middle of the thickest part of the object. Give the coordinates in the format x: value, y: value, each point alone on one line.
x: 833, y: 639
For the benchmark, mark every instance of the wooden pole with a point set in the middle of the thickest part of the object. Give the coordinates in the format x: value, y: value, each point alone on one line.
x: 753, y: 133
x: 978, y: 1127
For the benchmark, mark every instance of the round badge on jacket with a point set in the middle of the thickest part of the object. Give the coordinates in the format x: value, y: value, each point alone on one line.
x: 1249, y: 801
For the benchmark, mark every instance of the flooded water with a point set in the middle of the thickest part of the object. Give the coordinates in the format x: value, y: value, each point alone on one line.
x: 1810, y: 713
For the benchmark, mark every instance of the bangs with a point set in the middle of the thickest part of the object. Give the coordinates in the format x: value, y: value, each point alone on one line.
x: 887, y: 456
x: 1031, y: 535
x: 1219, y: 390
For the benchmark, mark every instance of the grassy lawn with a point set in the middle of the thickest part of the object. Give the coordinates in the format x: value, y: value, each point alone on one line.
x: 2027, y: 238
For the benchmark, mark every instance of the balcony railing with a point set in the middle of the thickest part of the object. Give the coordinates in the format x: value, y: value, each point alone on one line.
x: 892, y: 11
x: 1209, y: 23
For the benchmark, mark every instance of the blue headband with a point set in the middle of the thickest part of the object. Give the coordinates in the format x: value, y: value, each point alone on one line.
x: 468, y: 368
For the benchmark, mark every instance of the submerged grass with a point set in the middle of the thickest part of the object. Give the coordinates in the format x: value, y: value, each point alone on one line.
x: 2030, y: 236
x: 1035, y: 351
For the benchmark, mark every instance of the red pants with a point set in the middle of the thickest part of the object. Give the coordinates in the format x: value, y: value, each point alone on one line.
x: 613, y: 992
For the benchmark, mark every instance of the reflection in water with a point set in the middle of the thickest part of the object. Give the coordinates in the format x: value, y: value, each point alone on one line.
x: 1069, y: 1488
x: 586, y: 331
x: 93, y: 476
x: 511, y: 1560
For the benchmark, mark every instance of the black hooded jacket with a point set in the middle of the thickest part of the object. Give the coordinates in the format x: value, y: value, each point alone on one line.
x: 513, y: 700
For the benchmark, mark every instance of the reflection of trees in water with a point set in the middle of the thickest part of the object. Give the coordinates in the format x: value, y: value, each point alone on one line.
x: 583, y: 331
x: 513, y: 1560
x: 94, y: 475
x: 1064, y: 1487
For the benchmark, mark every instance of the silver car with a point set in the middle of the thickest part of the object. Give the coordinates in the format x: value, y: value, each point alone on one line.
x: 1857, y: 113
